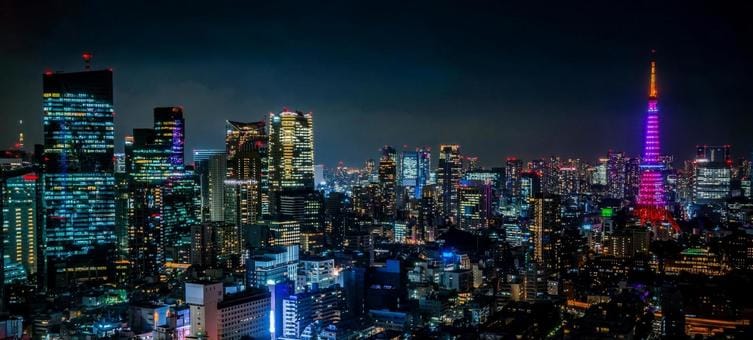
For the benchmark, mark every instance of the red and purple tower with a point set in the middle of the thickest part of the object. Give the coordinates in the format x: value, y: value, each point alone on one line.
x: 652, y: 207
x: 651, y: 192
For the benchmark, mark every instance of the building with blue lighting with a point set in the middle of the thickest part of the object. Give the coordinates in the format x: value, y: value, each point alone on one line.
x: 78, y: 162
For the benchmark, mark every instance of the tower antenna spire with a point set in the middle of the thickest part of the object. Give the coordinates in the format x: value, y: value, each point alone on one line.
x: 653, y: 92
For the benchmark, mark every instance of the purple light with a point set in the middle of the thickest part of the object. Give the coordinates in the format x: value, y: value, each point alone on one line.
x: 651, y: 192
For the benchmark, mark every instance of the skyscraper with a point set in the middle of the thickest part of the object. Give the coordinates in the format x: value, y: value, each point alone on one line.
x: 513, y: 168
x: 415, y: 168
x: 19, y: 211
x: 388, y: 182
x: 207, y: 188
x: 291, y: 151
x: 712, y: 174
x: 545, y: 226
x: 616, y: 178
x: 160, y: 192
x: 78, y: 162
x: 448, y: 179
x: 291, y: 159
x: 246, y: 148
x: 169, y: 131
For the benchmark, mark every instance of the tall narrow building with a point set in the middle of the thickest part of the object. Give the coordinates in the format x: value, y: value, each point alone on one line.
x: 449, y: 172
x: 201, y: 161
x: 291, y: 166
x: 513, y: 168
x: 388, y: 182
x: 78, y: 162
x: 414, y: 171
x: 246, y: 148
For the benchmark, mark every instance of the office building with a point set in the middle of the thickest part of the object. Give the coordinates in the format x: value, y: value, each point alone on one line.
x: 291, y: 151
x: 20, y: 222
x: 448, y: 180
x: 545, y: 227
x: 209, y: 180
x: 712, y: 174
x: 315, y: 272
x: 215, y: 315
x: 78, y: 157
x: 300, y: 310
x: 388, y: 183
x: 246, y: 149
x: 272, y: 265
x: 513, y: 169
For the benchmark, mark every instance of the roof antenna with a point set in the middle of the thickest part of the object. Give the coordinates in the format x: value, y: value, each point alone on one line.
x: 20, y: 143
x: 87, y: 56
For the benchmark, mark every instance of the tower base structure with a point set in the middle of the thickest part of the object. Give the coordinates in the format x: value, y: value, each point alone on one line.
x: 656, y: 215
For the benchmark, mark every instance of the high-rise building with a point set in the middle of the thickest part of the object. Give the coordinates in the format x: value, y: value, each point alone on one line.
x: 615, y: 175
x: 449, y: 173
x: 216, y: 172
x: 285, y: 233
x: 712, y: 174
x: 241, y: 208
x: 303, y: 206
x: 545, y: 226
x: 513, y: 168
x: 315, y: 272
x: 272, y: 265
x: 291, y: 151
x: 472, y: 204
x: 20, y: 223
x: 169, y: 132
x: 415, y: 169
x: 246, y: 148
x: 600, y: 174
x: 388, y: 182
x: 78, y: 157
x: 632, y: 177
x: 208, y: 189
x: 160, y: 192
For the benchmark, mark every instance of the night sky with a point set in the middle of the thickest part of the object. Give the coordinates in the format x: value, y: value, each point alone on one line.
x: 529, y: 78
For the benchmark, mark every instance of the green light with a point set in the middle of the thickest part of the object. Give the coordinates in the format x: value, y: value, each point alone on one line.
x: 607, y: 212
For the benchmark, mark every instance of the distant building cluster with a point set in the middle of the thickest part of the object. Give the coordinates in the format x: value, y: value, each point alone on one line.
x: 258, y: 241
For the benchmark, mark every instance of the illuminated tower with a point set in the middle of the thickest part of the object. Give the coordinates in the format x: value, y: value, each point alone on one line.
x: 651, y: 202
x: 651, y: 193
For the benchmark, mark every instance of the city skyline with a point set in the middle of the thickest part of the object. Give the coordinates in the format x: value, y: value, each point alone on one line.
x: 519, y: 98
x: 284, y: 171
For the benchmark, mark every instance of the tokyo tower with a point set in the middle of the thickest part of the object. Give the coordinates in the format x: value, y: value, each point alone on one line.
x: 651, y: 203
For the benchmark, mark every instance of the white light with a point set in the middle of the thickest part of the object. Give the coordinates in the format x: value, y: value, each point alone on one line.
x: 272, y: 322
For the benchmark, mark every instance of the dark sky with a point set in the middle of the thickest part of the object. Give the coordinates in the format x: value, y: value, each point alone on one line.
x: 526, y: 78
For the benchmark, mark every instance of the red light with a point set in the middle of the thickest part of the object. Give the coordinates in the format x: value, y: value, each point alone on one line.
x: 86, y: 56
x: 48, y: 73
x: 30, y: 177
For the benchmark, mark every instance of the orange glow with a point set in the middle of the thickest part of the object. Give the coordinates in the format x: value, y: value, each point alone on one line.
x: 653, y: 92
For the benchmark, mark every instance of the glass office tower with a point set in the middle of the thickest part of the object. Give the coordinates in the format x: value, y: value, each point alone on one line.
x: 78, y: 161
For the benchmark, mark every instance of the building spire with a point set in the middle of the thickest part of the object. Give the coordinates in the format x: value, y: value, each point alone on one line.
x: 653, y: 93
